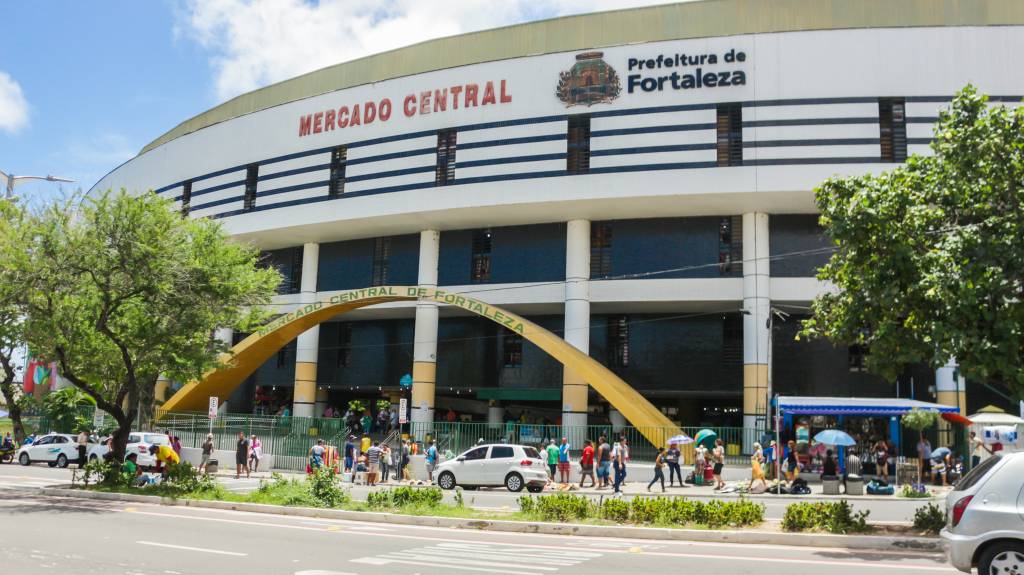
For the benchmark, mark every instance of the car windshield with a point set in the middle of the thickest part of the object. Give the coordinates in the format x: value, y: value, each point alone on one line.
x: 157, y: 439
x: 531, y: 453
x: 975, y: 475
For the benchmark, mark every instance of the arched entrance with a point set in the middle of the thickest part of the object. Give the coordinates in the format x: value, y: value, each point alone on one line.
x: 254, y: 350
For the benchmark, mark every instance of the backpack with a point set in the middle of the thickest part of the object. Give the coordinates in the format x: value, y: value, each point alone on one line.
x: 798, y: 489
x: 879, y: 488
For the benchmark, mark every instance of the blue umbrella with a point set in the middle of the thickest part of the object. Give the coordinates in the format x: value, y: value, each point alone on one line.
x: 681, y: 439
x: 834, y: 437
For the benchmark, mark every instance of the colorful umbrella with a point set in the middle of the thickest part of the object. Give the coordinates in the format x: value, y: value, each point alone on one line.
x: 706, y: 436
x: 834, y: 437
x: 681, y: 439
x: 956, y: 418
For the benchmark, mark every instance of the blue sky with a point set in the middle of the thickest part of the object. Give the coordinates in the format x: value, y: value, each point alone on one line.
x: 85, y: 85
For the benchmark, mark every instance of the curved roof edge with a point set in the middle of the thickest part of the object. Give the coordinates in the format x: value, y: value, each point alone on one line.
x: 696, y: 19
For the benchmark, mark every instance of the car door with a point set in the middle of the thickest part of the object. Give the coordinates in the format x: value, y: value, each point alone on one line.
x: 64, y: 445
x: 38, y: 450
x: 499, y: 461
x: 469, y: 466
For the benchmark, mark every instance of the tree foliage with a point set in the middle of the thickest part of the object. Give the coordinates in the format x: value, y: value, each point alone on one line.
x: 930, y: 255
x: 12, y: 333
x: 121, y: 288
x: 64, y: 409
x: 919, y: 419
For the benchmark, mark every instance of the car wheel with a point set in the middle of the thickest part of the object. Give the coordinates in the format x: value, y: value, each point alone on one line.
x: 514, y: 482
x: 535, y: 488
x: 62, y: 461
x: 24, y: 459
x: 446, y: 480
x: 1002, y: 558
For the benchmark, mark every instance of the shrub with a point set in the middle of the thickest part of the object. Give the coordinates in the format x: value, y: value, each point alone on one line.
x: 931, y: 518
x: 526, y: 503
x: 615, y: 510
x: 644, y: 510
x: 404, y: 497
x: 564, y: 507
x: 324, y: 488
x: 834, y: 517
x: 99, y: 471
x: 183, y: 479
x: 915, y: 491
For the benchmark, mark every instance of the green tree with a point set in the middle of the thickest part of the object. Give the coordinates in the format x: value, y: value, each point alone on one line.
x: 12, y: 336
x: 64, y: 409
x: 121, y: 288
x: 929, y: 262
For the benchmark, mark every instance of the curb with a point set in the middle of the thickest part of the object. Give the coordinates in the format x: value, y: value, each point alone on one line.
x: 865, y: 542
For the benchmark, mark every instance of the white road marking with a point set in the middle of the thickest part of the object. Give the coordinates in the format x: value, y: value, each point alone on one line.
x: 187, y: 548
x: 369, y: 528
x: 483, y: 557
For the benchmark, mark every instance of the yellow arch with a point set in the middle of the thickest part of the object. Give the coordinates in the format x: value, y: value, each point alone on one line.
x: 256, y: 349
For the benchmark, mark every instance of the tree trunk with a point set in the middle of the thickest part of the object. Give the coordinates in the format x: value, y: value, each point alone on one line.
x: 13, y: 408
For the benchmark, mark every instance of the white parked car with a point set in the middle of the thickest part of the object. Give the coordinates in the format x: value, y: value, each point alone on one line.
x: 55, y: 449
x: 985, y: 525
x: 139, y: 442
x: 514, y: 466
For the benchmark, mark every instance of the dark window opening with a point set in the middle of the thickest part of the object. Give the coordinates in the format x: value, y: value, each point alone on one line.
x: 618, y: 341
x: 578, y: 147
x: 600, y: 250
x: 481, y: 270
x: 186, y: 198
x: 344, y: 344
x: 892, y: 127
x: 730, y: 245
x: 283, y: 353
x: 251, y: 173
x: 729, y: 127
x: 732, y: 339
x: 512, y: 346
x: 856, y: 357
x: 339, y: 157
x: 445, y: 172
x: 295, y: 280
x: 381, y: 253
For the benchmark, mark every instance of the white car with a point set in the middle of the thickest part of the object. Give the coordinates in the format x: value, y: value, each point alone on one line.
x: 55, y: 449
x: 514, y: 466
x: 985, y: 517
x: 139, y: 442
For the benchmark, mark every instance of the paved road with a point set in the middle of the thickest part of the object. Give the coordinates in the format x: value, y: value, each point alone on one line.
x: 64, y: 535
x: 882, y: 511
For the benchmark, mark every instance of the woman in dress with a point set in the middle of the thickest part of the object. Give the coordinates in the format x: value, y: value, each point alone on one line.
x: 255, y: 453
x: 756, y: 471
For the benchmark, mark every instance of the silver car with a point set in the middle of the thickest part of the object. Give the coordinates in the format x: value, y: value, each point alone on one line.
x: 985, y: 525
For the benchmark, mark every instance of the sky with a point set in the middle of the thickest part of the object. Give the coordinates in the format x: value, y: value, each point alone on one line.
x: 85, y: 85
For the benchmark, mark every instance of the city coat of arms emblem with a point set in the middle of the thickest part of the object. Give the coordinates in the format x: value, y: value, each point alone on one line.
x: 590, y: 81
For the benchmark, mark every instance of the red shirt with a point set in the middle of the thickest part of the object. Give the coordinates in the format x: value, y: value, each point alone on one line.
x: 588, y: 455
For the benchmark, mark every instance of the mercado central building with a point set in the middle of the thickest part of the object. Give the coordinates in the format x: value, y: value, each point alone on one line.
x: 638, y: 183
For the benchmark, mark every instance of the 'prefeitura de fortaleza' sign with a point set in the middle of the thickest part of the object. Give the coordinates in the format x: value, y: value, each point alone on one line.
x: 398, y: 292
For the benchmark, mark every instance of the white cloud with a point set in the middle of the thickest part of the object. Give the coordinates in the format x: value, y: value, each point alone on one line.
x: 253, y: 43
x: 13, y: 106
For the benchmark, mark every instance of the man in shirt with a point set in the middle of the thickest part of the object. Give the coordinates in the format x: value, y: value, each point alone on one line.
x: 372, y: 464
x: 316, y: 455
x: 620, y: 455
x: 242, y: 454
x: 671, y: 458
x: 563, y: 461
x: 852, y: 466
x: 431, y: 460
x: 924, y: 455
x: 552, y: 451
x: 587, y: 464
x: 604, y: 462
x: 164, y: 456
x: 349, y: 452
x: 83, y: 448
x: 978, y: 450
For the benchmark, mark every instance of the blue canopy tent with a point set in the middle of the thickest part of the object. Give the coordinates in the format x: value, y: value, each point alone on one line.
x: 891, y: 407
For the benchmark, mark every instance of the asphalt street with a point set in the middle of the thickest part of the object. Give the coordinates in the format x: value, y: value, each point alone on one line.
x: 64, y: 535
x: 891, y: 510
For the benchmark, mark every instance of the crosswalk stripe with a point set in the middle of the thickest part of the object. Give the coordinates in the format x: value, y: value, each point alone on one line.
x: 442, y: 554
x: 381, y: 561
x: 518, y: 560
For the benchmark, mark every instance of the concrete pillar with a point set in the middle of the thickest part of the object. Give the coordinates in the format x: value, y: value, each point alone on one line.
x: 950, y: 389
x: 322, y: 395
x: 424, y: 353
x: 577, y: 327
x: 756, y: 332
x: 225, y: 335
x: 307, y: 348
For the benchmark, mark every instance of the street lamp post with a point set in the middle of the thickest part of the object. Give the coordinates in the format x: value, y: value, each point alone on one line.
x: 10, y: 181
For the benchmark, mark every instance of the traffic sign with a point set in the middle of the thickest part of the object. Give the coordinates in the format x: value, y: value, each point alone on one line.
x: 213, y: 407
x: 406, y: 381
x: 97, y: 418
x: 403, y: 408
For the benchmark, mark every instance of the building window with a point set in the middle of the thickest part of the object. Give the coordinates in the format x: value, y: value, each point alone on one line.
x: 344, y: 344
x: 732, y: 339
x: 282, y: 355
x: 618, y: 341
x: 578, y: 147
x: 730, y: 245
x: 251, y: 173
x: 445, y: 171
x: 857, y: 355
x: 336, y: 187
x: 381, y: 253
x: 296, y: 269
x: 481, y: 270
x: 892, y: 127
x: 729, y: 126
x: 186, y: 198
x: 512, y: 346
x: 600, y: 250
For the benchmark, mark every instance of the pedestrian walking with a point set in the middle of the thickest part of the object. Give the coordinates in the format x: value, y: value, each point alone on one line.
x: 207, y: 453
x: 792, y: 465
x: 552, y: 451
x: 431, y: 460
x: 659, y: 473
x: 718, y: 454
x: 348, y: 452
x: 83, y: 447
x: 756, y: 471
x: 255, y: 453
x: 620, y: 455
x: 563, y: 461
x: 587, y: 464
x: 372, y: 464
x: 604, y: 462
x: 924, y: 457
x: 403, y: 462
x: 385, y: 462
x: 316, y: 455
x: 242, y: 455
x: 672, y: 457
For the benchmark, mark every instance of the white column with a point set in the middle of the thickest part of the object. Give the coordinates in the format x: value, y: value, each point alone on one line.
x: 577, y: 327
x: 307, y: 346
x: 756, y: 333
x: 226, y: 336
x: 424, y: 353
x: 950, y: 389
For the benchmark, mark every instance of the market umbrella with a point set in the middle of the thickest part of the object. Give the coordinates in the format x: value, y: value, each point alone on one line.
x: 940, y: 452
x: 956, y: 418
x: 681, y: 439
x: 706, y: 436
x: 834, y: 437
